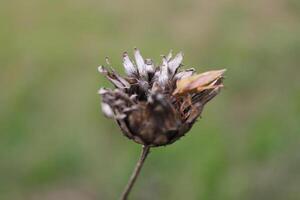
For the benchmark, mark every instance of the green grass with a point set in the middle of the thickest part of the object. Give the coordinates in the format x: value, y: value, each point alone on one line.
x: 54, y: 140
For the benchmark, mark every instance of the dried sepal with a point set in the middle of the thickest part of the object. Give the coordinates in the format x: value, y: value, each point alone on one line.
x: 198, y: 83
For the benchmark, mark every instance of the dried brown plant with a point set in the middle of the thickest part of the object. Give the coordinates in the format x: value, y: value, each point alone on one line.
x: 156, y: 105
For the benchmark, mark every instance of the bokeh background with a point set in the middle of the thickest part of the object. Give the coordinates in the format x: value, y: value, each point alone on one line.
x: 55, y: 143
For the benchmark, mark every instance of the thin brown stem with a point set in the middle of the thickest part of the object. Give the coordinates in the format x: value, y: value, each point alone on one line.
x: 136, y: 172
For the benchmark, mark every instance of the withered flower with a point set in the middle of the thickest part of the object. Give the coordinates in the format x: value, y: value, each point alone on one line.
x: 156, y: 105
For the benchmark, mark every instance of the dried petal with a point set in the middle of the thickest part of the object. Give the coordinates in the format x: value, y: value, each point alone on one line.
x: 120, y: 116
x: 102, y: 91
x: 169, y: 56
x: 175, y: 63
x: 164, y: 75
x: 128, y: 65
x: 121, y: 79
x: 107, y: 110
x: 140, y: 63
x: 117, y: 80
x: 109, y: 76
x: 149, y: 66
x: 184, y: 74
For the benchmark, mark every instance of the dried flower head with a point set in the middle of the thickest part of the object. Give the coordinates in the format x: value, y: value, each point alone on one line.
x: 156, y: 105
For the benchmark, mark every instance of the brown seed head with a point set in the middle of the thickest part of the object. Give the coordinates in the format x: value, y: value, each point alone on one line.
x: 155, y: 106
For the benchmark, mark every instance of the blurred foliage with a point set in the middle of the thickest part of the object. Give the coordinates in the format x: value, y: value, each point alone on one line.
x: 56, y: 144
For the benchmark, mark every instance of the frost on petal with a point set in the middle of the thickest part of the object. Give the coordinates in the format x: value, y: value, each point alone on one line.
x: 140, y: 63
x: 175, y: 63
x: 164, y: 74
x: 128, y: 65
x: 107, y: 110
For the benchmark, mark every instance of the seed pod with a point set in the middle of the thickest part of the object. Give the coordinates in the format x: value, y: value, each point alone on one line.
x: 155, y: 106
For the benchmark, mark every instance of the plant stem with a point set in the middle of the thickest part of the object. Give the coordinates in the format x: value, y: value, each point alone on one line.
x: 136, y: 172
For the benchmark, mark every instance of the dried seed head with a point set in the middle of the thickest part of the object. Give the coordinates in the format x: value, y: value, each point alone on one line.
x: 156, y: 106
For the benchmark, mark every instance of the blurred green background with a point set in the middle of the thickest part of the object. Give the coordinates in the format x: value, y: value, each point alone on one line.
x: 56, y: 144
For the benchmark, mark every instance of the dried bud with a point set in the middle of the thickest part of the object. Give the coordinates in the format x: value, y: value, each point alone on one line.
x: 155, y: 106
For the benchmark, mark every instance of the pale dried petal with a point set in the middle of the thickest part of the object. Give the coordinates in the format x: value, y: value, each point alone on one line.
x: 133, y: 97
x: 120, y: 116
x: 140, y: 62
x: 184, y: 74
x: 175, y: 63
x: 107, y: 110
x: 117, y: 80
x: 102, y: 91
x: 108, y: 75
x: 169, y: 56
x: 101, y: 69
x: 156, y: 76
x: 149, y: 66
x: 128, y: 65
x: 121, y: 79
x: 164, y: 74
